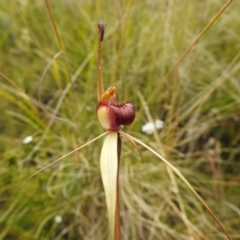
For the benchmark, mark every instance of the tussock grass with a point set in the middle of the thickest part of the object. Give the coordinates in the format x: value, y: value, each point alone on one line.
x: 199, y: 104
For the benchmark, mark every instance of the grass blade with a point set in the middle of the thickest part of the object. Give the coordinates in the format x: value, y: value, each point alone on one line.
x: 179, y: 174
x: 59, y: 159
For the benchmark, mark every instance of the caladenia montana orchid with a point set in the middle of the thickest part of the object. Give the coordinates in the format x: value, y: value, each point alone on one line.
x: 112, y: 117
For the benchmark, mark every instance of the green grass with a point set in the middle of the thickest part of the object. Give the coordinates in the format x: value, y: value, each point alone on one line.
x: 199, y: 104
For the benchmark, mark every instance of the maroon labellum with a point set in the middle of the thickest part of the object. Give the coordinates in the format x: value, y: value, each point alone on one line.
x: 125, y: 113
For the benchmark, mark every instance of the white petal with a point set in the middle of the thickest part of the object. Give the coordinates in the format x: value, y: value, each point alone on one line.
x: 27, y: 139
x: 148, y: 128
x: 58, y: 219
x: 159, y: 124
x: 109, y: 172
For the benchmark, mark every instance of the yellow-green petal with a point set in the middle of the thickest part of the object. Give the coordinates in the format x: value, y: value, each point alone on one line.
x: 109, y: 172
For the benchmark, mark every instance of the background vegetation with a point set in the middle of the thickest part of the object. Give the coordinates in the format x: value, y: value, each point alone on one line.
x: 199, y: 104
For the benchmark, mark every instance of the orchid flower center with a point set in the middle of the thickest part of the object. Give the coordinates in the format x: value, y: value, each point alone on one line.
x: 112, y: 115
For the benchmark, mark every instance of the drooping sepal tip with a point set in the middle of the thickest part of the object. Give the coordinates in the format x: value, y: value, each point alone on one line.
x: 100, y: 88
x: 101, y: 31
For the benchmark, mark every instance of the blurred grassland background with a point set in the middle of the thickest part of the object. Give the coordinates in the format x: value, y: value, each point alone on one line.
x: 199, y: 104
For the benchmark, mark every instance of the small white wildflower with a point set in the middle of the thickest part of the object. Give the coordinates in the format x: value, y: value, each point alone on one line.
x: 58, y: 219
x: 159, y: 124
x: 149, y: 128
x: 27, y: 139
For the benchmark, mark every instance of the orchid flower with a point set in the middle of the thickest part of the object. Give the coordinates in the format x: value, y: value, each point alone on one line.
x: 113, y: 116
